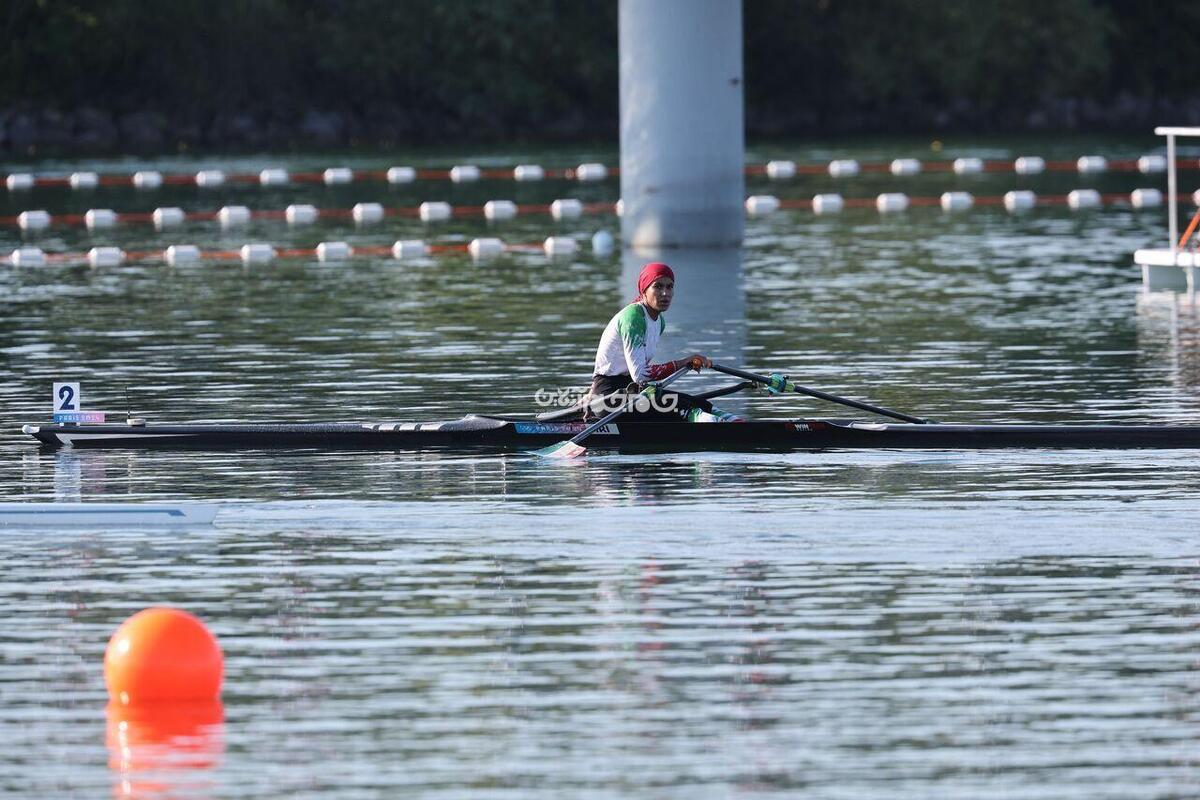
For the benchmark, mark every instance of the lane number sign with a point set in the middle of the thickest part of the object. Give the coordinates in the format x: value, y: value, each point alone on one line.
x: 68, y: 405
x: 66, y: 398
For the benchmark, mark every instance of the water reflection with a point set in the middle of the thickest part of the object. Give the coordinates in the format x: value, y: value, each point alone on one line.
x: 788, y: 482
x: 165, y: 750
x: 1169, y: 332
x: 708, y: 314
x: 709, y: 309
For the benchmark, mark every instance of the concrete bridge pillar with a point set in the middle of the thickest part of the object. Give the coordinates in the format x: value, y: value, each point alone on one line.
x: 682, y: 127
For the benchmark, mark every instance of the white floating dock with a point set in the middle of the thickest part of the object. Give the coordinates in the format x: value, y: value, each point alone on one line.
x: 1164, y: 270
x: 1176, y: 267
x: 106, y: 514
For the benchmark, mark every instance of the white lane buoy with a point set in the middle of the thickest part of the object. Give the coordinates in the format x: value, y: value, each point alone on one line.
x: 1149, y: 164
x: 337, y: 175
x: 760, y: 205
x: 781, y: 170
x: 1083, y: 198
x: 1092, y: 164
x: 366, y: 213
x: 560, y: 246
x: 273, y: 177
x: 891, y: 202
x: 591, y: 172
x: 957, y: 201
x: 301, y: 214
x: 333, y: 251
x: 967, y: 166
x: 147, y: 179
x: 499, y: 209
x: 619, y: 208
x: 178, y: 254
x: 1029, y: 165
x: 105, y: 256
x: 905, y: 166
x: 19, y: 181
x: 401, y: 175
x: 28, y: 257
x: 33, y: 220
x: 409, y: 248
x: 1196, y: 198
x: 485, y: 248
x: 843, y: 168
x: 528, y: 172
x: 827, y: 204
x: 1019, y: 200
x: 1146, y: 198
x: 84, y: 180
x: 602, y: 243
x: 257, y: 254
x: 97, y: 218
x: 168, y: 217
x: 434, y: 211
x: 566, y: 208
x: 210, y: 178
x: 464, y: 173
x: 233, y: 216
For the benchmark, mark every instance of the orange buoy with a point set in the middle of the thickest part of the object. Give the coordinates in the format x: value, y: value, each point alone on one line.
x: 162, y: 654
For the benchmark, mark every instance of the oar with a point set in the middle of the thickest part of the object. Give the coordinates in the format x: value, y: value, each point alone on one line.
x: 572, y: 447
x: 778, y: 383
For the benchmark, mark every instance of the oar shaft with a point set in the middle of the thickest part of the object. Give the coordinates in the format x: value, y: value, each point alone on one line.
x: 833, y: 398
x: 595, y: 426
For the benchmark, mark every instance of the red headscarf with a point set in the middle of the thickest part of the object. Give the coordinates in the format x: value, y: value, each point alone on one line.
x: 652, y: 272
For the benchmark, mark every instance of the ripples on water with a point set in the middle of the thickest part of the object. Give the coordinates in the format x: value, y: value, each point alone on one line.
x: 1009, y: 624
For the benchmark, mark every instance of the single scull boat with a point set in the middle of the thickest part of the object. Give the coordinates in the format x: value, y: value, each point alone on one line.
x: 624, y: 432
x: 509, y: 433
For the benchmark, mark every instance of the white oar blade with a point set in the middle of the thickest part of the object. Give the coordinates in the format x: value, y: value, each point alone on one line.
x: 567, y: 449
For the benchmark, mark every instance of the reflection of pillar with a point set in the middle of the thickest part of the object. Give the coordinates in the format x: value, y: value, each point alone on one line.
x: 1168, y: 331
x: 708, y: 314
x: 682, y: 139
x: 68, y: 476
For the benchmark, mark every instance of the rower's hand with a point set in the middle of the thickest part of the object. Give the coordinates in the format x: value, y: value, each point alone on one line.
x: 698, y: 362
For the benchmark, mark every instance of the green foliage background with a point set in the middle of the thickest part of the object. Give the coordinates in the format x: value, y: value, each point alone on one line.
x: 464, y: 68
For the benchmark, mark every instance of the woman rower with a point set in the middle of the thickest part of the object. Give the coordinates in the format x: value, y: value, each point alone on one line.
x: 623, y: 359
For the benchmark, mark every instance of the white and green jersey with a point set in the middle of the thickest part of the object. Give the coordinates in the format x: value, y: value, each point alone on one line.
x: 628, y: 344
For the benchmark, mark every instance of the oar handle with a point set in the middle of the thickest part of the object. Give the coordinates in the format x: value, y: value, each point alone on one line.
x: 833, y: 398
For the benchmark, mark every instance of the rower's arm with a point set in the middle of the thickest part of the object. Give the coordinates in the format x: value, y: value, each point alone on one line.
x: 631, y: 326
x: 660, y: 371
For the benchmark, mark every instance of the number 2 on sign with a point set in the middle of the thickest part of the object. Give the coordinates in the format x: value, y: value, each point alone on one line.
x: 66, y: 397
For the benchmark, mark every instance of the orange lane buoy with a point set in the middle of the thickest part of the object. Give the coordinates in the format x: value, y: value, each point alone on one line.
x: 162, y: 654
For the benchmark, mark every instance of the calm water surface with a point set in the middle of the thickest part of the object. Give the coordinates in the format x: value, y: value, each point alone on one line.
x: 855, y: 624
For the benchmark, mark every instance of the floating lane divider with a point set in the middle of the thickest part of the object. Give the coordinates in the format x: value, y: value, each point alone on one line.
x: 480, y: 250
x: 364, y: 214
x: 1025, y: 165
x: 469, y: 173
x: 333, y: 176
x: 303, y: 214
x: 763, y: 205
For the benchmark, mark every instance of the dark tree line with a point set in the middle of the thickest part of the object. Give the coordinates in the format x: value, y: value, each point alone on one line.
x: 230, y: 72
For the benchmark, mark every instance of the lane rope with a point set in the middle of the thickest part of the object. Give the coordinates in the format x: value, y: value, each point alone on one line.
x: 780, y: 169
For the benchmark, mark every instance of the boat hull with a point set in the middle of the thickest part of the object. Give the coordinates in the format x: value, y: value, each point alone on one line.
x: 503, y: 434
